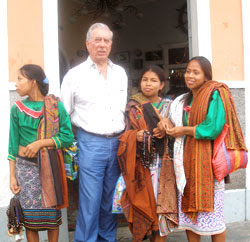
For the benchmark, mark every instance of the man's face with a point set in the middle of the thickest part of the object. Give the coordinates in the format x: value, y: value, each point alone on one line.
x: 99, y: 45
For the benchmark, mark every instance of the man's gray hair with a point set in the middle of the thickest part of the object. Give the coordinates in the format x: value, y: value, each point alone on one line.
x: 97, y: 26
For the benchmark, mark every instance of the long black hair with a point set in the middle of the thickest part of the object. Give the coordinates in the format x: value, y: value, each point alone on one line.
x: 206, y: 68
x: 35, y: 72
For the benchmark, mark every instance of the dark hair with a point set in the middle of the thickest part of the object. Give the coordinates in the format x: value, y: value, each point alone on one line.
x: 35, y: 72
x: 156, y: 69
x: 206, y: 68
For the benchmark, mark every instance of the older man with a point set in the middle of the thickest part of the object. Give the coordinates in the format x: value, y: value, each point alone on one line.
x: 95, y: 94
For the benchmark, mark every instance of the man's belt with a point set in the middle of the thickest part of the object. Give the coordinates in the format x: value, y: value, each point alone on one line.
x: 112, y: 135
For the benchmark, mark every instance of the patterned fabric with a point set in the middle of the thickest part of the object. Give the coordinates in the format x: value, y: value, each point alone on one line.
x: 27, y: 174
x: 142, y: 185
x: 202, y: 210
x: 198, y: 193
x: 138, y: 202
x: 234, y: 139
x: 208, y: 223
x: 42, y: 219
x: 52, y: 173
x: 119, y: 189
x: 29, y: 111
x: 175, y: 115
x: 35, y: 216
x: 167, y: 210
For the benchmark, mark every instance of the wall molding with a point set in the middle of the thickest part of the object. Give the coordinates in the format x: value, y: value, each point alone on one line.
x: 235, y: 84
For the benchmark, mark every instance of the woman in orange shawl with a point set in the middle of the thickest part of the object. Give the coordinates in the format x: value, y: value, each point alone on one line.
x: 199, y: 118
x: 149, y: 202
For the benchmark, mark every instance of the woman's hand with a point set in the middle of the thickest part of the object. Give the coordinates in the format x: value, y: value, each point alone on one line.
x: 180, y: 131
x: 164, y: 124
x: 14, y: 185
x: 159, y: 133
x: 31, y: 150
x: 140, y: 135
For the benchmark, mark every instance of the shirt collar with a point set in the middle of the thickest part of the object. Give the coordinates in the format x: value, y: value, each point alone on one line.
x: 91, y: 63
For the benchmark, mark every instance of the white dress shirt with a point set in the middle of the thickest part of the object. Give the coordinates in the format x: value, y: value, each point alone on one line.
x: 96, y: 104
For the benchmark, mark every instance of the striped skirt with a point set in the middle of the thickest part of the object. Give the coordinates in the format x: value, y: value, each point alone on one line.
x: 36, y: 217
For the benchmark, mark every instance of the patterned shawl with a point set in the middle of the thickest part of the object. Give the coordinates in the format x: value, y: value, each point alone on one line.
x: 52, y: 174
x: 138, y: 201
x: 199, y: 190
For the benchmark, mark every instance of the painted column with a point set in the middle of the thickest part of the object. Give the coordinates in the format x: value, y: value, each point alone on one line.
x: 199, y: 28
x: 5, y: 193
x: 51, y: 68
x: 50, y: 41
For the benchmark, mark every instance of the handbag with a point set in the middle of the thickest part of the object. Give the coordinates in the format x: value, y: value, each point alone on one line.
x: 119, y: 189
x: 226, y: 161
x: 15, y: 218
x: 70, y: 157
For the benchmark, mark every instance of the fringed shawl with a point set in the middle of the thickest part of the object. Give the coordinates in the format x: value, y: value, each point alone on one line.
x: 138, y: 201
x: 52, y: 174
x: 199, y: 191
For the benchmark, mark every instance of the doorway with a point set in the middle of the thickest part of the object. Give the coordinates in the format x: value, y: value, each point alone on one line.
x: 155, y: 32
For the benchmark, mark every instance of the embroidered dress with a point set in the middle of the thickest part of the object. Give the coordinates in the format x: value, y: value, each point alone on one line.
x: 208, y: 223
x: 24, y: 122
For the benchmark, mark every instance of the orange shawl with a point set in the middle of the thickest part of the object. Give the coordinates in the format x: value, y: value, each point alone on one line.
x: 199, y: 190
x: 138, y: 201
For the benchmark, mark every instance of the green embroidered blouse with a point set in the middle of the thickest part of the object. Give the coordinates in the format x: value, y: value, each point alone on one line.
x: 23, y: 127
x: 212, y: 126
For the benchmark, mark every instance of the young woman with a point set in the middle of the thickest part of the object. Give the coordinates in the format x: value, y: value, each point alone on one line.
x: 39, y: 127
x: 145, y: 163
x: 199, y: 118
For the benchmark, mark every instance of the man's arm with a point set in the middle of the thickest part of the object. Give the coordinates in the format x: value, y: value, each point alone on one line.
x: 125, y: 93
